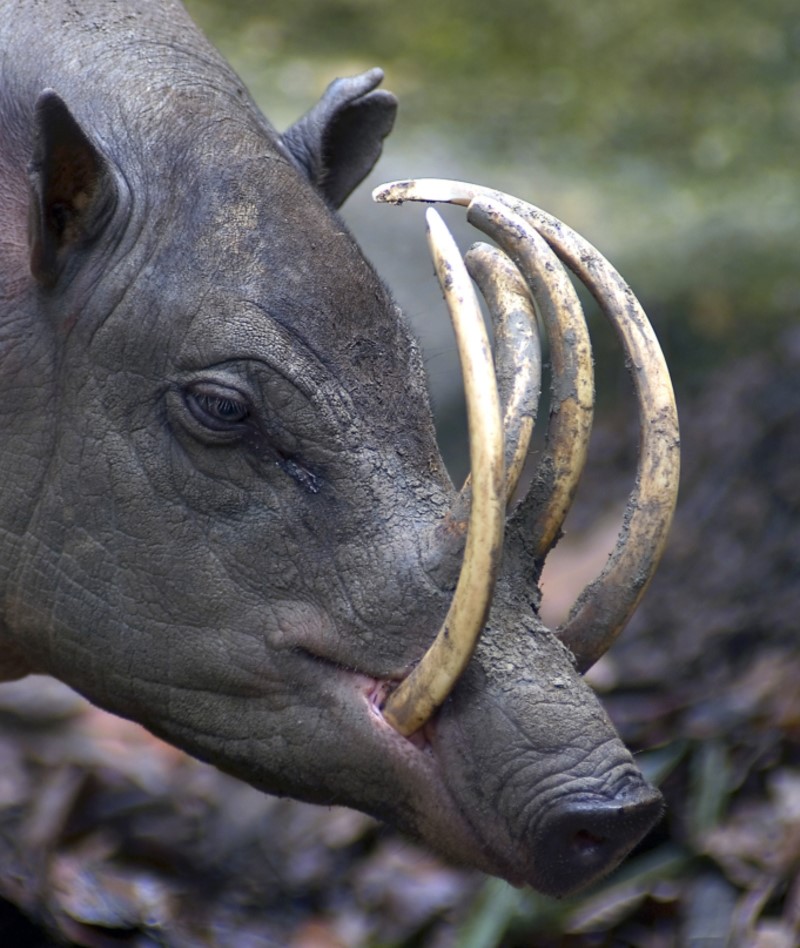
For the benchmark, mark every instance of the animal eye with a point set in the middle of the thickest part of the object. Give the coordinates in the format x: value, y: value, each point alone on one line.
x: 217, y: 407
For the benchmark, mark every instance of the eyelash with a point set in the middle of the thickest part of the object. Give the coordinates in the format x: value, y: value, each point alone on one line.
x: 216, y: 409
x: 222, y: 408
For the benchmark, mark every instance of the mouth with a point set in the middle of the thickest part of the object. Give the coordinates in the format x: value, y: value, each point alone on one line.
x: 377, y: 696
x: 438, y: 820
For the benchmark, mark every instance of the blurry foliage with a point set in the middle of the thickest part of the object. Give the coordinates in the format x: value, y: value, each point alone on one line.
x: 668, y: 132
x: 688, y: 86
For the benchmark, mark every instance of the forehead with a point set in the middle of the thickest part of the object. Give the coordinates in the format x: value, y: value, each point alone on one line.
x: 265, y: 237
x: 262, y: 232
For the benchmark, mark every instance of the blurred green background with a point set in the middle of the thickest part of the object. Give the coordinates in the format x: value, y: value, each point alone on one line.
x: 666, y: 131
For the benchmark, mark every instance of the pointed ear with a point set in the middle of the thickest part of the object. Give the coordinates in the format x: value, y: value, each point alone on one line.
x: 72, y: 189
x: 339, y: 140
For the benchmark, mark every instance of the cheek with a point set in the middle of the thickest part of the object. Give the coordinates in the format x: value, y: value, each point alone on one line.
x: 299, y: 625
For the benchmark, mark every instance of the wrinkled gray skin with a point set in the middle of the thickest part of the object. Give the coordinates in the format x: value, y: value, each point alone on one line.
x: 222, y: 507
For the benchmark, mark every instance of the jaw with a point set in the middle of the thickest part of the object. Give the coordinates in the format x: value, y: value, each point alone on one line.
x: 430, y: 812
x: 479, y: 783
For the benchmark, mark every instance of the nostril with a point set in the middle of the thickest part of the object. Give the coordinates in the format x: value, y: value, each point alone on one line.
x: 587, y: 844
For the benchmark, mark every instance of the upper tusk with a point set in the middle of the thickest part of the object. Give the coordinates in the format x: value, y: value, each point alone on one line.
x: 604, y: 606
x: 518, y: 351
x: 572, y: 405
x: 435, y: 191
x: 420, y: 694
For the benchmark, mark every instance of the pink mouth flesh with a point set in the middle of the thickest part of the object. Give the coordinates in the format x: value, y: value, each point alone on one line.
x: 377, y: 696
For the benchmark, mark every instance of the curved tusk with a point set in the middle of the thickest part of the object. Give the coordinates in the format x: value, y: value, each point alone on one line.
x: 518, y: 352
x: 605, y: 605
x: 572, y: 407
x: 420, y: 694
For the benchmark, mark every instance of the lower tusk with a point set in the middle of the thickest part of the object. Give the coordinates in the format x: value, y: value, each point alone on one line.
x: 419, y: 695
x: 518, y: 352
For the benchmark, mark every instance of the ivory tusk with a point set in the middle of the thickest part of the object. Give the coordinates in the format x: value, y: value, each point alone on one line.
x: 605, y: 605
x: 572, y: 407
x: 518, y: 352
x: 419, y: 695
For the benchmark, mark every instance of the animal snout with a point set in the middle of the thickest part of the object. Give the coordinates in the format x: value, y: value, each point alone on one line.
x: 583, y: 838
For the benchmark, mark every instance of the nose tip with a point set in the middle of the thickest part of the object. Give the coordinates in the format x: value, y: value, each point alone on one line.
x: 584, y: 839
